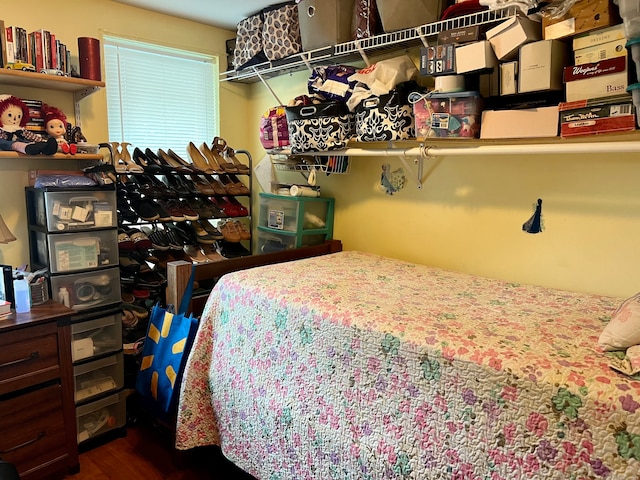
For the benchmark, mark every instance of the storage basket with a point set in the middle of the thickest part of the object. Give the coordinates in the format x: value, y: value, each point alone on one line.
x: 320, y: 127
x: 281, y: 31
x: 249, y: 45
x: 39, y: 292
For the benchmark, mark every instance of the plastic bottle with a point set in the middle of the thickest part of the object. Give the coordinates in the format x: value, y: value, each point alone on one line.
x: 22, y: 294
x: 63, y: 296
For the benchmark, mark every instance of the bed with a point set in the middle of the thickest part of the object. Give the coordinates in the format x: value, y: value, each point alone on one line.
x: 356, y: 366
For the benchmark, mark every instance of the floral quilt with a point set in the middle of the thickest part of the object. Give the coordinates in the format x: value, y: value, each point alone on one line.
x: 356, y: 366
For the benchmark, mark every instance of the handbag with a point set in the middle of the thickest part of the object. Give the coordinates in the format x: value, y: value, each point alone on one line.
x: 167, y: 343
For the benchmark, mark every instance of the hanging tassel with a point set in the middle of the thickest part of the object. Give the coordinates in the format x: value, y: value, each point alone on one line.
x: 534, y: 224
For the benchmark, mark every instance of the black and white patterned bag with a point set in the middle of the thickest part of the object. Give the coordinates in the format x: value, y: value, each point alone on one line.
x: 387, y: 117
x: 281, y: 31
x: 320, y: 127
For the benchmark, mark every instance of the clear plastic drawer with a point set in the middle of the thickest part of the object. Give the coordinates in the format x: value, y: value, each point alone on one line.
x: 90, y: 289
x: 94, y: 379
x: 296, y: 214
x: 101, y: 416
x: 95, y: 337
x: 78, y: 209
x: 273, y: 241
x: 70, y: 252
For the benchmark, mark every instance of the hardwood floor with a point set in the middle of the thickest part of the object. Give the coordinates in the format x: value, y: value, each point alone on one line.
x: 146, y: 453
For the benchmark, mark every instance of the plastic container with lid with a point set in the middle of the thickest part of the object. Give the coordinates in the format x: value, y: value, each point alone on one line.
x: 22, y: 294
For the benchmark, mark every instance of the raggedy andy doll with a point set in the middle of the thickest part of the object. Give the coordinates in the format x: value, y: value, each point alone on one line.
x: 14, y: 115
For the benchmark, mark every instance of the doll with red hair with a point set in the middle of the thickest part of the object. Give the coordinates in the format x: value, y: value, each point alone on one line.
x: 14, y: 115
x: 55, y: 124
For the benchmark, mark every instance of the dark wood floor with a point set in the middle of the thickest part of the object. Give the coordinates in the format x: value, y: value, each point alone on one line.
x: 146, y: 453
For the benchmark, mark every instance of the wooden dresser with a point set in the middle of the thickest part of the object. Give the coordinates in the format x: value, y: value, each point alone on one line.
x: 37, y: 412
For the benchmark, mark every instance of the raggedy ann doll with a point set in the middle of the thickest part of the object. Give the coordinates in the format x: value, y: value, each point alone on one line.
x: 55, y: 124
x: 14, y: 115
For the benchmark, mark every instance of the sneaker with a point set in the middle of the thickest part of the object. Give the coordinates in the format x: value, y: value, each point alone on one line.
x: 125, y: 243
x: 140, y: 239
x: 144, y: 208
x: 173, y: 210
x: 188, y: 212
x: 159, y: 240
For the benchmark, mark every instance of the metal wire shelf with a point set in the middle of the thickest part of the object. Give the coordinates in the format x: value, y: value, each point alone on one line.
x: 359, y: 49
x: 337, y: 164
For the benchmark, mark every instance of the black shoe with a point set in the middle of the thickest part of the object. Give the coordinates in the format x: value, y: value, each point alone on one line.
x: 145, y: 208
x: 164, y: 168
x: 231, y: 249
x: 141, y: 159
x: 124, y: 209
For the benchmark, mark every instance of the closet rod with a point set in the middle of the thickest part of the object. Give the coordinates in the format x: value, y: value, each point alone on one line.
x: 533, y: 149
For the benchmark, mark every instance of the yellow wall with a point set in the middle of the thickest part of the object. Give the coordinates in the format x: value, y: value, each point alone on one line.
x: 469, y: 213
x: 467, y: 216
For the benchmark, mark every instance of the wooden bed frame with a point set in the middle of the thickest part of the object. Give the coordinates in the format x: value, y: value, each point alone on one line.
x: 178, y: 272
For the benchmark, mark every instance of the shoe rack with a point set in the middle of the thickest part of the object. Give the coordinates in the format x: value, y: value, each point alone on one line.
x: 196, y: 209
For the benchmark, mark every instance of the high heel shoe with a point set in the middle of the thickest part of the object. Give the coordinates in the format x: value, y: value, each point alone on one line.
x: 169, y: 160
x: 140, y: 159
x: 154, y: 159
x: 217, y: 149
x: 211, y: 159
x: 198, y: 159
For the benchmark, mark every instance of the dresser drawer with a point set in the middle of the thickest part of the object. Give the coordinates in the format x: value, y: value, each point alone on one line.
x: 32, y: 427
x: 28, y: 356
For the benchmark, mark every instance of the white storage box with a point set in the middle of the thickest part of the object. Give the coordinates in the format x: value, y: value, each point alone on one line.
x: 81, y: 209
x: 527, y: 123
x: 95, y: 337
x: 101, y: 416
x: 475, y: 56
x: 507, y: 37
x: 541, y: 66
x: 325, y: 23
x: 95, y: 379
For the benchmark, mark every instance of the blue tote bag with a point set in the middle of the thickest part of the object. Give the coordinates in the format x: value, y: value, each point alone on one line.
x: 169, y: 338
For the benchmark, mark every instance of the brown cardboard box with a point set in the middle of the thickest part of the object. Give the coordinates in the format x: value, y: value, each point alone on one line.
x: 582, y: 17
x: 401, y: 14
x: 526, y: 123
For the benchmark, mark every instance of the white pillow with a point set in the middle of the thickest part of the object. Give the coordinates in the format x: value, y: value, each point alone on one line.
x: 623, y: 331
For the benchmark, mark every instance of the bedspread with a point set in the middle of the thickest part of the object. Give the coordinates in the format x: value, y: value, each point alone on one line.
x: 356, y: 366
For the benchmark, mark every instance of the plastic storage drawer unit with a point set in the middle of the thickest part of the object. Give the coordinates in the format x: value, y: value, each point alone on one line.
x: 68, y: 252
x: 96, y: 378
x: 90, y: 289
x: 66, y: 210
x: 101, y: 416
x: 99, y: 336
x: 273, y: 241
x: 297, y: 214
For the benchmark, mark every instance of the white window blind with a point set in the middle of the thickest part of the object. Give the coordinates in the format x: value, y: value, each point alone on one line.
x: 160, y: 97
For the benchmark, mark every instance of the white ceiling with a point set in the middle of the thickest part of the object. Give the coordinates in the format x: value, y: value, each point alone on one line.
x: 219, y: 13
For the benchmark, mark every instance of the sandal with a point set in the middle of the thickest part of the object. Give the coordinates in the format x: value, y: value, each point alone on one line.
x: 230, y: 154
x: 196, y: 254
x: 218, y: 147
x: 122, y: 159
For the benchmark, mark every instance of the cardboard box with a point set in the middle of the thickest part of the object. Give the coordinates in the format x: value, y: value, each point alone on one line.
x: 583, y: 16
x: 438, y: 60
x: 459, y: 35
x: 603, y: 51
x: 509, y: 78
x: 401, y: 14
x: 541, y: 66
x: 324, y: 22
x: 507, y: 37
x: 593, y: 80
x: 597, y: 116
x: 599, y: 36
x: 475, y: 56
x: 527, y: 123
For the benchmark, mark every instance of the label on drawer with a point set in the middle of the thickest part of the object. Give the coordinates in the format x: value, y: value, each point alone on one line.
x: 82, y: 348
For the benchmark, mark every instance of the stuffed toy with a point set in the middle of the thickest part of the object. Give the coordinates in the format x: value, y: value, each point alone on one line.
x: 14, y: 115
x: 55, y: 124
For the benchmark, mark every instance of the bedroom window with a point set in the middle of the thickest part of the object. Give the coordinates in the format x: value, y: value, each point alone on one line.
x: 160, y: 97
